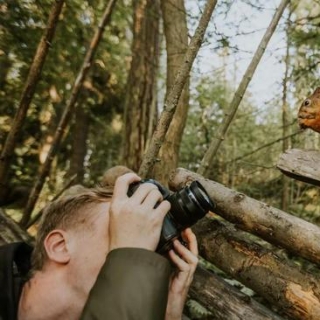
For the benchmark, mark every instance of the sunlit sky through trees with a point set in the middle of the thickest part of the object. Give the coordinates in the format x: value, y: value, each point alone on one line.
x: 241, y: 28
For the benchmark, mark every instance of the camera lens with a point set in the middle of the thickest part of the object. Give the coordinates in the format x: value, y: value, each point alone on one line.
x: 201, y: 197
x: 189, y: 205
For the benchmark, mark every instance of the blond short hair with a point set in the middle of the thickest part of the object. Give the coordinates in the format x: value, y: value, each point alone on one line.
x: 69, y: 212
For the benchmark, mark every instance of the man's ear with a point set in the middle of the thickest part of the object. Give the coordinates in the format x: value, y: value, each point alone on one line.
x: 56, y: 247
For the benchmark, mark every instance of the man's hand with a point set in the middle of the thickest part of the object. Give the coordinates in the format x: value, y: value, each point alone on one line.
x: 134, y: 221
x: 186, y: 260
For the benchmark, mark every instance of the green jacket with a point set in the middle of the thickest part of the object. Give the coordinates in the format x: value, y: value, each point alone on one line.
x: 132, y: 285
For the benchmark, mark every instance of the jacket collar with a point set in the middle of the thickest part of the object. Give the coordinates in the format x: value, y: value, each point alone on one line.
x: 14, y: 269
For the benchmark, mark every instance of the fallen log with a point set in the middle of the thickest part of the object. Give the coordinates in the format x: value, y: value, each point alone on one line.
x: 273, y: 225
x: 224, y: 300
x: 302, y: 165
x: 295, y: 292
x: 10, y: 231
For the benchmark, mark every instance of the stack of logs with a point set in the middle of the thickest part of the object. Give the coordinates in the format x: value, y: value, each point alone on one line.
x: 293, y: 292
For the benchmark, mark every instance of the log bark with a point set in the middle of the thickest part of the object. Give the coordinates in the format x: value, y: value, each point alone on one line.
x: 301, y: 165
x: 275, y: 226
x: 10, y: 231
x: 237, y: 98
x: 65, y: 119
x: 224, y: 300
x: 27, y: 95
x: 172, y: 100
x: 295, y: 292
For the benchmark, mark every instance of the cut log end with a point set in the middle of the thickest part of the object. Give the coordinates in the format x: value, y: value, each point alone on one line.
x: 302, y: 165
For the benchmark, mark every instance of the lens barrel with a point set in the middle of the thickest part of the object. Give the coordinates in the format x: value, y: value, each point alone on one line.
x: 188, y: 205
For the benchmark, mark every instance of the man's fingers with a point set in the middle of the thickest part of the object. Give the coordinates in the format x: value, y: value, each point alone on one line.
x: 189, y: 237
x: 143, y: 191
x: 163, y: 208
x: 180, y: 264
x: 185, y: 254
x: 153, y: 197
x: 122, y: 184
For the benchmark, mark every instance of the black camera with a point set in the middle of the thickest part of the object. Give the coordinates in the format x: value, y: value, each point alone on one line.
x: 188, y: 205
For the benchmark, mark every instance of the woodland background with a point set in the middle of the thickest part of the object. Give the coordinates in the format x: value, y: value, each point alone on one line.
x: 125, y: 90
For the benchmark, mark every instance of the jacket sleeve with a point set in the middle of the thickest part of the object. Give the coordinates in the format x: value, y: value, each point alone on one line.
x: 132, y: 285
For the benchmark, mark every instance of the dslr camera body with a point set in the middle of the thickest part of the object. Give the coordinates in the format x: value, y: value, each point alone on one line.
x: 188, y: 205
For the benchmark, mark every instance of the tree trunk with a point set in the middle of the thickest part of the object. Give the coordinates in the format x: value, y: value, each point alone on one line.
x: 224, y: 300
x: 237, y: 98
x: 5, y: 65
x: 285, y: 120
x: 64, y: 121
x: 141, y: 81
x: 10, y: 231
x: 176, y: 33
x: 172, y: 99
x: 275, y: 226
x: 27, y: 95
x: 79, y: 144
x: 295, y: 292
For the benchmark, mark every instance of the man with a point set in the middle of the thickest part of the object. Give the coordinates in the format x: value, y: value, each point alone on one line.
x: 94, y: 259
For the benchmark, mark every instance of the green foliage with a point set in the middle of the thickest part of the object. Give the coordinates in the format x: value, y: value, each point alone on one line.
x: 305, y: 38
x: 197, y: 311
x: 22, y: 24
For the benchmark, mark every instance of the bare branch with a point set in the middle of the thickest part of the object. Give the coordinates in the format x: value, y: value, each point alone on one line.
x: 237, y: 98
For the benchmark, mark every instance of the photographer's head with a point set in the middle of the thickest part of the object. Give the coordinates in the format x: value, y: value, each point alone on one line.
x: 71, y: 247
x: 70, y: 216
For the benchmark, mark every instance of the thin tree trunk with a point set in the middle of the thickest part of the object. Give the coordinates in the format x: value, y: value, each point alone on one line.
x: 176, y: 33
x: 79, y: 144
x: 5, y: 65
x: 140, y: 97
x: 224, y: 300
x: 27, y: 95
x: 45, y: 168
x: 295, y: 292
x: 273, y: 225
x: 285, y: 121
x: 222, y: 130
x: 172, y: 99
